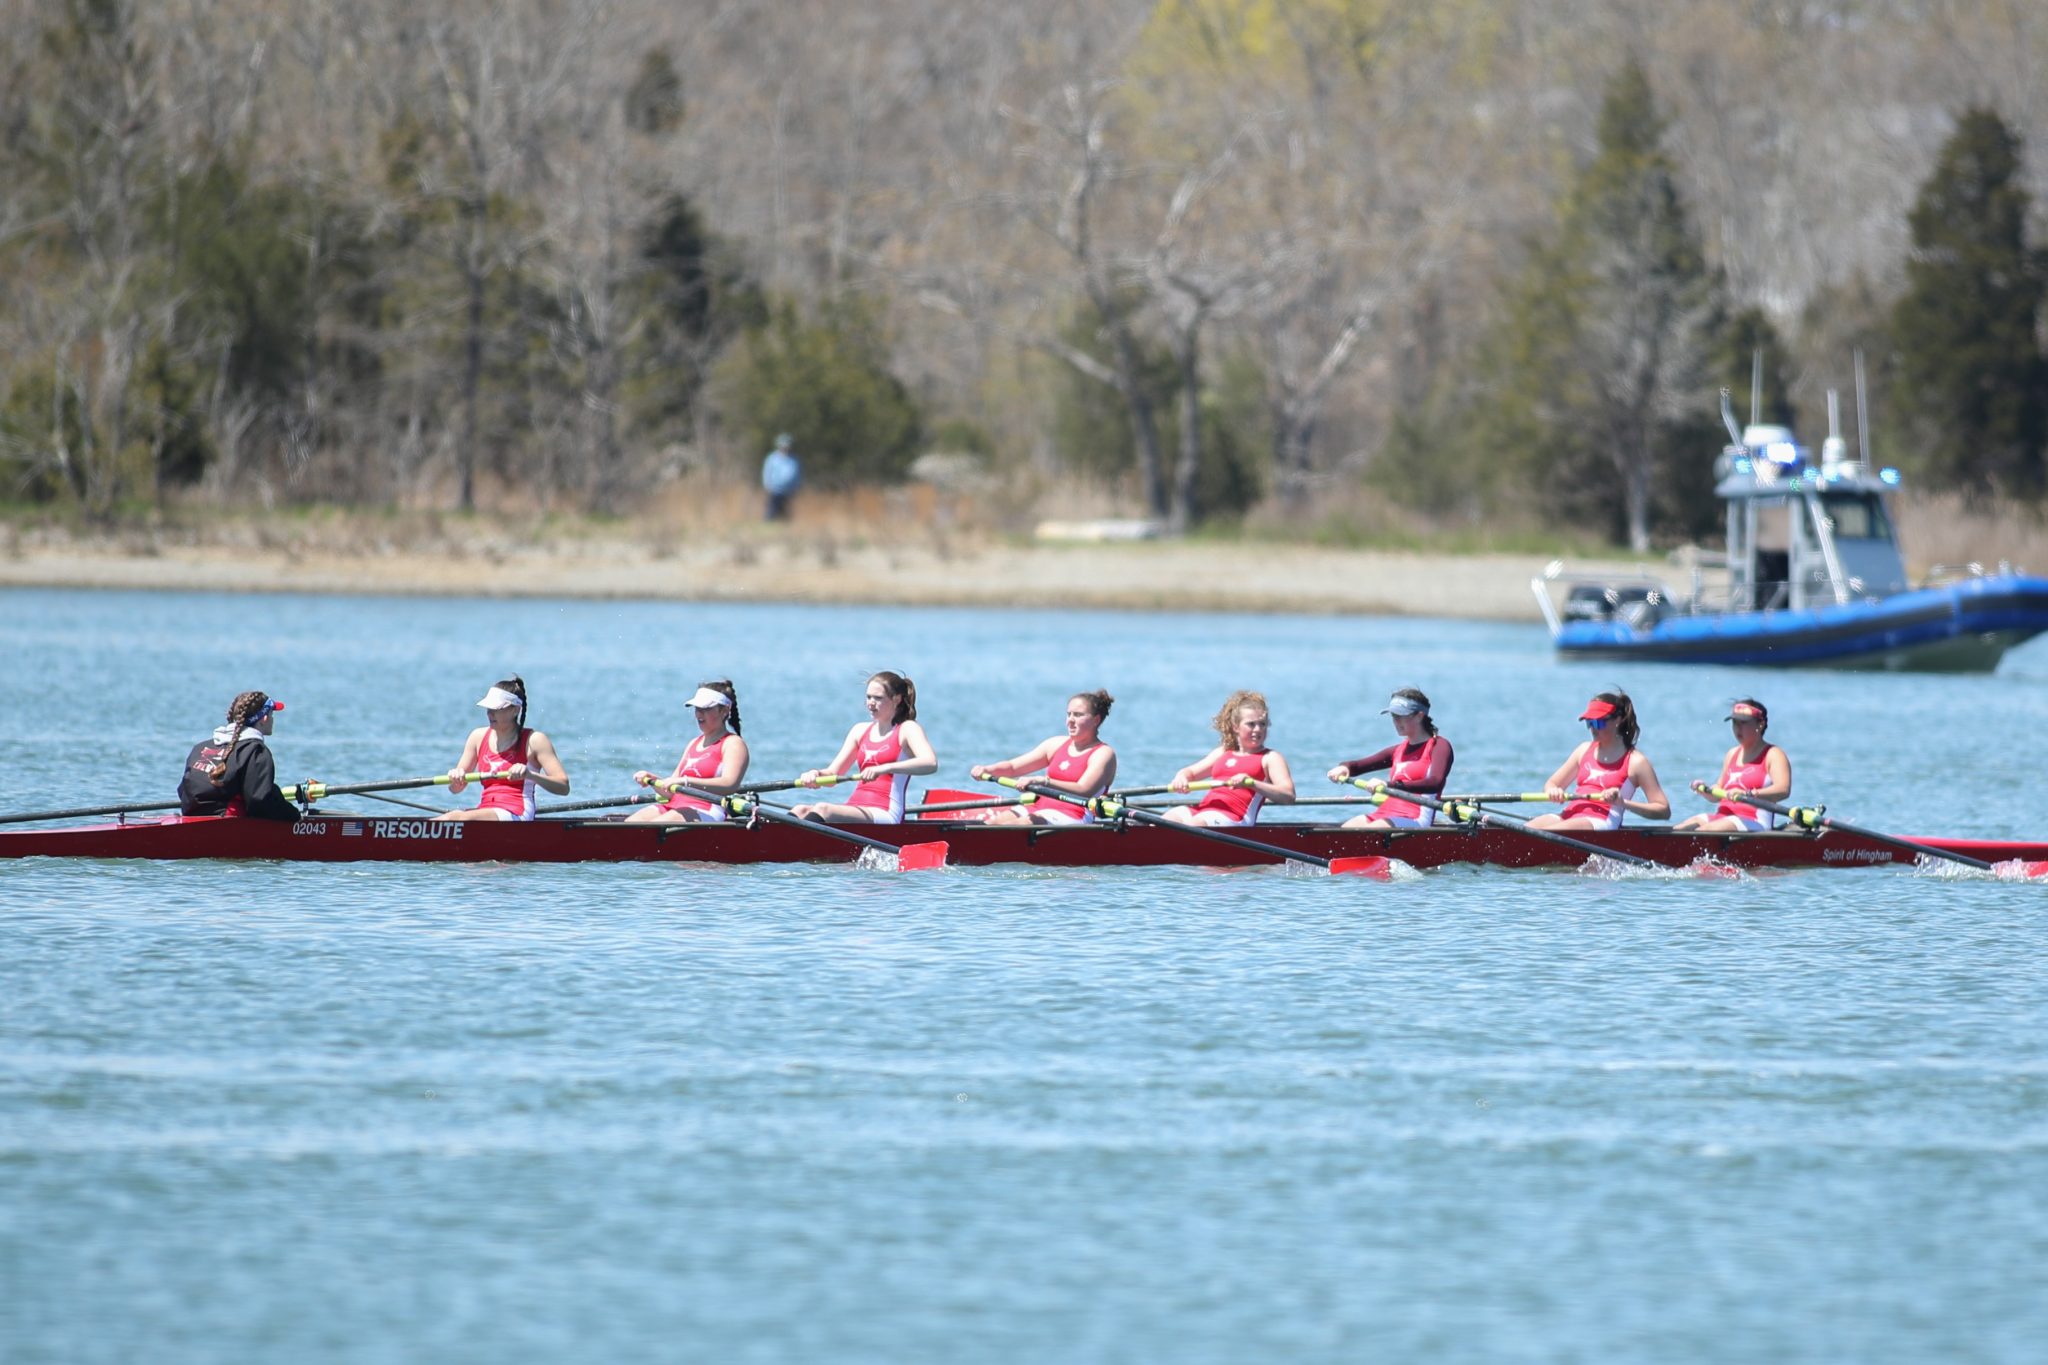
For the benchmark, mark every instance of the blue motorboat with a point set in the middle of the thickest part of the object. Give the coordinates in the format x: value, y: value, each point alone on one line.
x: 1814, y: 577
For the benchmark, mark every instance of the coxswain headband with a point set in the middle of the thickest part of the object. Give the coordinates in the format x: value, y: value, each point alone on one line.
x: 705, y: 699
x: 498, y: 697
x: 1403, y: 706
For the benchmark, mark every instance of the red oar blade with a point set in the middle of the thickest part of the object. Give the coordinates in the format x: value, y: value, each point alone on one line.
x: 2019, y: 870
x: 1378, y: 868
x: 914, y: 857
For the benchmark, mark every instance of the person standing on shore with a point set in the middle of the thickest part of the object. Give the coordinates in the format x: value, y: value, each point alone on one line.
x: 780, y: 475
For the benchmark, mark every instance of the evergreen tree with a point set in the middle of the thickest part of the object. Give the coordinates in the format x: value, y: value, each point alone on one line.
x: 1973, y: 381
x: 1604, y: 368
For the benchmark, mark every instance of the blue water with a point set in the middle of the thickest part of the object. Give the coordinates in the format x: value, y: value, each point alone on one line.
x: 370, y: 1113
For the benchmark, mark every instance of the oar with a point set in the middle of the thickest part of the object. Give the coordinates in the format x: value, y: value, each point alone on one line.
x: 1498, y: 798
x: 133, y: 808
x: 316, y: 791
x: 1464, y: 813
x: 320, y: 791
x: 1122, y: 792
x: 985, y: 803
x: 1811, y: 817
x: 638, y: 799
x: 908, y: 857
x: 1110, y: 809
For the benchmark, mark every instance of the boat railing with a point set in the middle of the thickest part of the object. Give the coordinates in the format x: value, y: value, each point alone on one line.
x: 1952, y: 573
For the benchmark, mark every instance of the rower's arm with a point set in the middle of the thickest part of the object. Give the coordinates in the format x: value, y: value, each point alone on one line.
x: 1558, y: 785
x: 1094, y: 779
x: 732, y: 768
x: 1278, y: 783
x: 550, y: 775
x: 923, y: 758
x: 1197, y: 770
x: 1371, y: 763
x: 471, y: 747
x: 1651, y: 802
x: 1780, y: 769
x: 1016, y: 767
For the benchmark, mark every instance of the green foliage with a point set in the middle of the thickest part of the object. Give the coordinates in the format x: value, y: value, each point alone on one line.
x: 691, y: 294
x: 1973, y: 379
x: 1593, y: 398
x: 1748, y: 334
x: 1091, y: 424
x: 961, y: 436
x: 827, y: 383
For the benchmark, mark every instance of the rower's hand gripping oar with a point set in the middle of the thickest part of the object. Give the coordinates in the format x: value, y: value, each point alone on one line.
x: 1110, y: 809
x: 1466, y: 813
x: 909, y: 857
x: 1816, y: 817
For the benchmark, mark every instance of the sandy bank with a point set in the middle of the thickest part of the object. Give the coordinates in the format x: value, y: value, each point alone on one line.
x: 799, y: 568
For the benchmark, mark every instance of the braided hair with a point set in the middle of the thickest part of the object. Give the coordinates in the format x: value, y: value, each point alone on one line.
x: 243, y: 711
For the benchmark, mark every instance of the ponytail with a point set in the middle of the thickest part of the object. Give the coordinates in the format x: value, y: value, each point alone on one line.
x: 903, y: 690
x: 241, y: 711
x: 517, y: 687
x: 732, y: 712
x: 1625, y: 723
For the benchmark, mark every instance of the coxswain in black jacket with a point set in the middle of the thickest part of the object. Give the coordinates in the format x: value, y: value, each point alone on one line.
x: 248, y: 787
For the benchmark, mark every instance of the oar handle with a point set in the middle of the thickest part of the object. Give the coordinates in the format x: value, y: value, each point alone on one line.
x: 1500, y: 798
x: 639, y: 799
x: 986, y: 803
x: 1805, y: 817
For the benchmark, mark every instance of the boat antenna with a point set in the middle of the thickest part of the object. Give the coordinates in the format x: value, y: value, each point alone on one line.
x: 1862, y: 413
x: 1728, y: 417
x: 1756, y: 385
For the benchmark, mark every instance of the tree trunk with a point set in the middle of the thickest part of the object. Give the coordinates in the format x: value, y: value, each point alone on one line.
x: 473, y: 352
x: 1185, y: 511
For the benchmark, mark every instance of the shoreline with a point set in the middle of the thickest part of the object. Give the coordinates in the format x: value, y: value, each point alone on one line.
x: 1174, y: 577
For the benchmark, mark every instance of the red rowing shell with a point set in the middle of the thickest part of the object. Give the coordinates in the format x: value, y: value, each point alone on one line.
x: 366, y: 838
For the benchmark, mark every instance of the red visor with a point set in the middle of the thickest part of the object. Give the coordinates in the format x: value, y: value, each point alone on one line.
x: 1597, y: 709
x: 1742, y: 710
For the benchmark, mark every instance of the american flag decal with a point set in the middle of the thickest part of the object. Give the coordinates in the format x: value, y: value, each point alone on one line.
x: 349, y: 827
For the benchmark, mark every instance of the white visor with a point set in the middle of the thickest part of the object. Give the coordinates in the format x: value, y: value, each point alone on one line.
x: 706, y: 697
x: 498, y: 697
x: 1403, y: 706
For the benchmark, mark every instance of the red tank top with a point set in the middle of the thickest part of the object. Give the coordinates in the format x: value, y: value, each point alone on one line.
x: 1411, y: 765
x: 1068, y: 765
x: 885, y: 792
x: 499, y: 793
x: 699, y: 761
x: 1750, y: 776
x: 1241, y: 804
x: 1595, y: 776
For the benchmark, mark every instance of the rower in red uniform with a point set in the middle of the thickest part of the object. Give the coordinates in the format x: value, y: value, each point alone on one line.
x: 715, y: 761
x: 232, y: 773
x: 1077, y: 762
x: 1420, y: 761
x: 1248, y: 772
x: 1752, y: 768
x: 1607, y: 773
x: 513, y: 758
x: 884, y: 751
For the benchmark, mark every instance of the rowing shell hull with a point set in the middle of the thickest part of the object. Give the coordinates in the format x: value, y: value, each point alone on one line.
x: 349, y: 839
